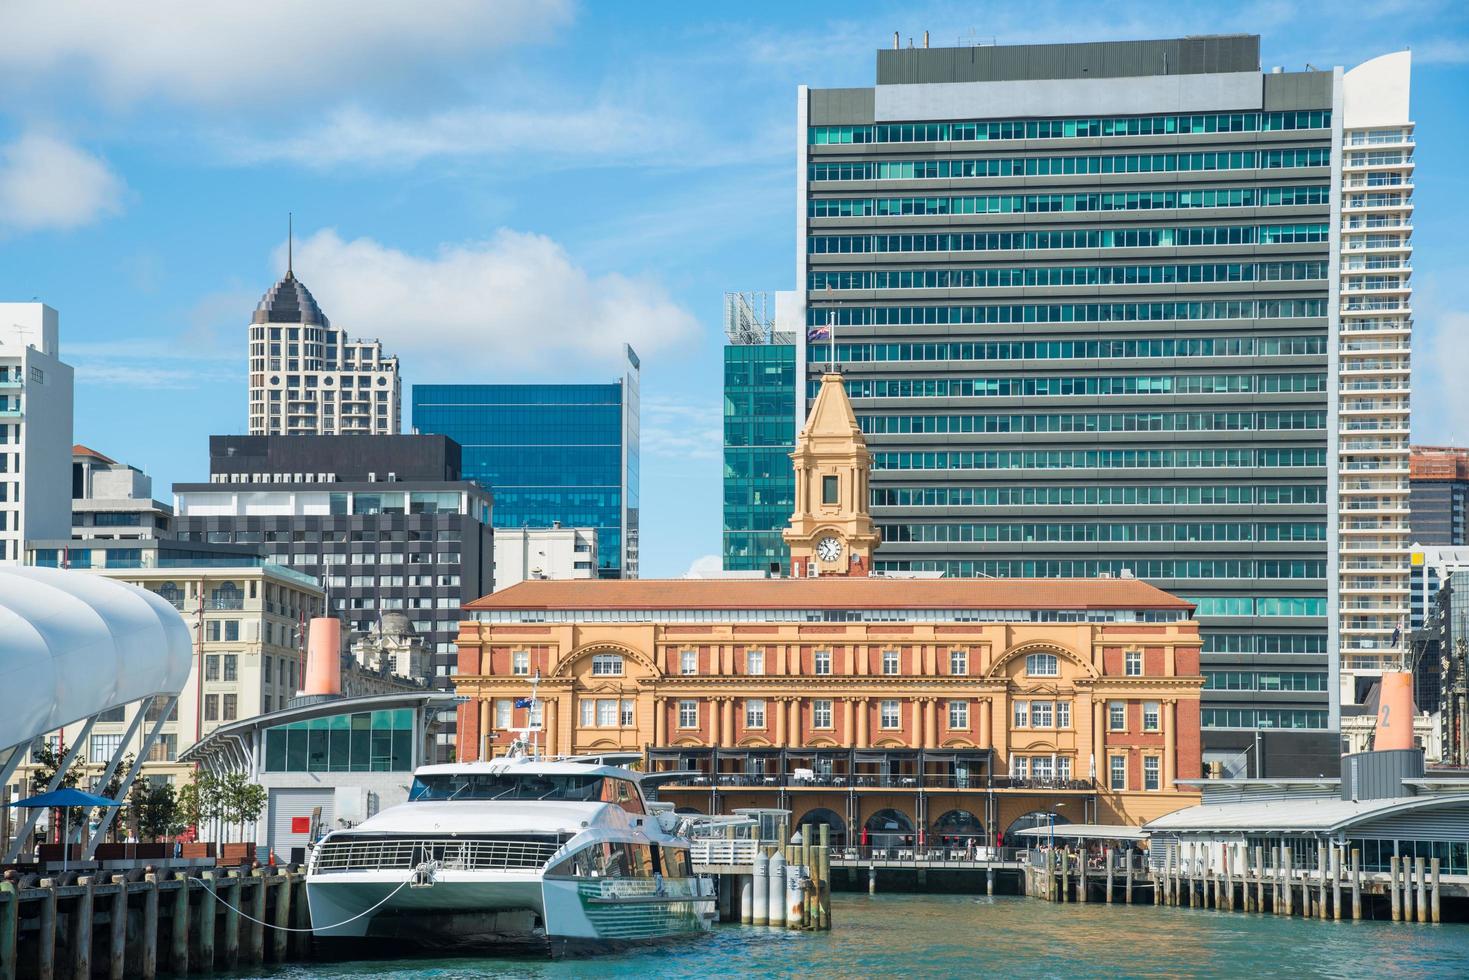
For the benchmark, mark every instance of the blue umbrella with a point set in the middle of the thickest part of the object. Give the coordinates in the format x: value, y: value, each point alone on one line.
x: 63, y: 798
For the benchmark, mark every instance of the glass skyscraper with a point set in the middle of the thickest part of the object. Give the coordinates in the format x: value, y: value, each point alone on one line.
x: 550, y: 453
x: 1091, y: 302
x: 759, y: 435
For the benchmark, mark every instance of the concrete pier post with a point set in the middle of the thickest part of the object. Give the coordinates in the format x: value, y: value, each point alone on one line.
x: 1392, y: 886
x: 871, y: 880
x: 1321, y: 867
x: 279, y: 937
x: 1081, y: 895
x: 9, y: 927
x: 46, y: 933
x: 1336, y: 860
x: 747, y: 897
x: 231, y: 895
x: 149, y: 965
x: 1356, y: 883
x: 1422, y: 889
x: 81, y: 931
x: 1127, y: 878
x: 117, y: 934
x: 776, y: 906
x: 1065, y: 875
x: 257, y: 916
x: 178, y: 946
x: 1286, y: 884
x: 760, y: 914
x: 825, y: 862
x: 1227, y: 866
x: 208, y: 917
x: 1407, y: 889
x: 1259, y: 879
x: 1435, y: 869
x: 1109, y: 876
x: 989, y: 881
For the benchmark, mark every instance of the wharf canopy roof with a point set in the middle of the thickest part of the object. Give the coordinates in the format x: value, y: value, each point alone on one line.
x: 73, y: 644
x: 289, y: 301
x: 1313, y: 815
x: 832, y: 593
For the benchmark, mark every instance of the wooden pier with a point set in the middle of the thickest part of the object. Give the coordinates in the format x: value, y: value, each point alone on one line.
x: 160, y: 924
x: 1327, y: 882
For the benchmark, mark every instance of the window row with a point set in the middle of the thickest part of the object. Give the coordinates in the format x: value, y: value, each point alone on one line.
x: 1089, y: 531
x: 1145, y: 568
x: 1150, y: 715
x: 1041, y: 767
x: 1307, y: 718
x: 879, y: 316
x: 1040, y: 714
x: 1099, y: 459
x: 1080, y: 275
x: 1265, y: 680
x: 989, y: 241
x: 1095, y: 422
x: 605, y: 713
x: 1093, y: 495
x: 1072, y: 350
x: 1265, y: 606
x: 890, y: 662
x: 1117, y: 773
x: 889, y: 713
x: 1072, y: 384
x: 1075, y: 128
x: 1158, y: 200
x: 1056, y: 166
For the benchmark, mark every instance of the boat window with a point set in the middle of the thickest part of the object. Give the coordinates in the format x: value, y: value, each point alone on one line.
x: 608, y: 859
x: 559, y: 787
x: 624, y: 794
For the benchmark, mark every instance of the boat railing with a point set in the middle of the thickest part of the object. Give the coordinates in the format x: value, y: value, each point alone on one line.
x: 723, y: 850
x: 405, y: 854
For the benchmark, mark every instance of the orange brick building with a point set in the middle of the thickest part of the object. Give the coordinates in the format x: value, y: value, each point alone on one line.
x: 953, y: 708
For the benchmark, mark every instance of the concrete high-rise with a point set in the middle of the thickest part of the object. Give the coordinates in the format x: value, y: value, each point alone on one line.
x: 1104, y: 309
x: 310, y: 378
x: 1439, y: 495
x: 35, y: 429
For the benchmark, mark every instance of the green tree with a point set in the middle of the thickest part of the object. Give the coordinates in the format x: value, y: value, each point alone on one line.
x: 154, y: 810
x: 242, y: 801
x: 48, y: 761
x: 199, y: 802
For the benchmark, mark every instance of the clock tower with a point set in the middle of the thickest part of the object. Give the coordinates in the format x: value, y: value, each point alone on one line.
x: 831, y: 530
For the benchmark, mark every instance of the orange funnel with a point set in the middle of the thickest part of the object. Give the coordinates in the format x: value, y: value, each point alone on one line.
x: 1395, y: 712
x: 324, y: 656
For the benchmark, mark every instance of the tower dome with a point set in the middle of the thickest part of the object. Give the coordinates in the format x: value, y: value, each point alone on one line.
x: 289, y: 301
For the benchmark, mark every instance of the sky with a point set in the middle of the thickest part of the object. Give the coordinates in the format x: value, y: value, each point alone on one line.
x: 508, y: 191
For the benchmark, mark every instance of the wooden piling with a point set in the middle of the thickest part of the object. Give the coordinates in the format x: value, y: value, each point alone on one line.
x: 118, y: 932
x: 824, y: 861
x: 1109, y: 876
x: 178, y: 960
x: 208, y: 921
x: 1356, y: 883
x: 230, y: 894
x: 1286, y: 884
x: 1065, y: 875
x: 148, y: 967
x: 257, y: 917
x: 300, y: 921
x: 46, y: 933
x: 1435, y: 868
x: 1127, y: 878
x: 1321, y: 866
x: 1228, y: 868
x: 1408, y: 889
x: 1422, y: 889
x: 1392, y: 885
x: 9, y: 927
x: 81, y: 931
x: 1336, y: 862
x: 1259, y: 878
x: 280, y: 934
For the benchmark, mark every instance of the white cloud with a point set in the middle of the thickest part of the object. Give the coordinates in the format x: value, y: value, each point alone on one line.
x: 1440, y: 397
x: 227, y: 52
x: 46, y: 183
x: 706, y: 566
x: 492, y: 309
x: 680, y: 431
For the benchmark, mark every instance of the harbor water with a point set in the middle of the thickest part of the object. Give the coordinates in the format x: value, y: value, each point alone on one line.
x: 953, y: 936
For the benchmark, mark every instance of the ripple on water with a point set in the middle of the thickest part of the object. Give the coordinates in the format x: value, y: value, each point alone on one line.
x: 955, y: 935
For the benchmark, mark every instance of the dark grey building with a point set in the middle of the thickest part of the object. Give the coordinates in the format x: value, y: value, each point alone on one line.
x: 384, y: 522
x: 1082, y: 296
x: 1438, y: 493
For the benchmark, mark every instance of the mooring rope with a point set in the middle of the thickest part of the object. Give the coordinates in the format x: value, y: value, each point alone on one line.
x: 271, y: 925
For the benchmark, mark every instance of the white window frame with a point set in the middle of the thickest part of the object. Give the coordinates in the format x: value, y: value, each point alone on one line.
x: 588, y: 712
x: 520, y: 663
x: 959, y: 663
x: 1152, y: 773
x: 504, y: 713
x: 1063, y: 714
x: 889, y: 715
x: 892, y: 663
x: 603, y: 665
x: 1019, y: 767
x: 607, y: 712
x: 1155, y: 709
x: 688, y: 662
x: 1042, y: 714
x: 821, y: 663
x: 1116, y: 716
x: 1063, y: 767
x: 688, y: 713
x: 958, y: 715
x: 629, y: 715
x: 1042, y: 665
x: 755, y: 662
x: 754, y: 712
x: 1117, y: 772
x: 1020, y: 714
x: 1132, y: 663
x: 821, y: 713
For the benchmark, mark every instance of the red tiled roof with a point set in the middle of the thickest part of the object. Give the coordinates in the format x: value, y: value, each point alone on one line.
x: 80, y: 450
x: 832, y: 593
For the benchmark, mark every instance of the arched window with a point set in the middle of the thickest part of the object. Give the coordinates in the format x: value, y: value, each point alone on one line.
x: 172, y: 594
x: 227, y: 596
x: 1033, y: 819
x: 837, y: 835
x: 1041, y: 665
x: 606, y: 665
x: 888, y: 828
x: 957, y: 828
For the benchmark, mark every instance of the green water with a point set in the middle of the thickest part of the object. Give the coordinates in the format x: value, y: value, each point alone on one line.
x: 952, y: 936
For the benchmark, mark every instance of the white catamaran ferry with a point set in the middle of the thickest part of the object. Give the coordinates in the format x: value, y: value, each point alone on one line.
x: 563, y: 855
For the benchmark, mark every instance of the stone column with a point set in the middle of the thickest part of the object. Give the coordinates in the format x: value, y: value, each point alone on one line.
x: 479, y: 751
x: 660, y: 722
x: 796, y: 739
x: 548, y: 723
x: 1099, y: 728
x: 985, y: 731
x: 1170, y: 744
x: 726, y: 724
x: 778, y: 705
x: 862, y: 724
x: 849, y: 714
x: 930, y: 724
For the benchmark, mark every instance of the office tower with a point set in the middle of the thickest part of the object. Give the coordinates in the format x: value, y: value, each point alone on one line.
x: 553, y: 552
x: 552, y: 452
x: 385, y: 523
x: 1085, y: 298
x: 310, y: 378
x: 35, y: 429
x: 759, y: 430
x: 114, y: 501
x: 1438, y: 478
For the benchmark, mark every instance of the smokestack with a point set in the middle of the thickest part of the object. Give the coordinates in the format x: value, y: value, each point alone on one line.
x: 1394, y: 712
x: 895, y: 40
x: 324, y: 657
x: 925, y: 39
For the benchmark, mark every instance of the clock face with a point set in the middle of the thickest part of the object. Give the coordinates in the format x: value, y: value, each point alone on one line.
x: 828, y: 549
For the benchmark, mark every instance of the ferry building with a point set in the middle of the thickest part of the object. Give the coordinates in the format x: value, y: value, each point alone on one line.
x: 959, y: 709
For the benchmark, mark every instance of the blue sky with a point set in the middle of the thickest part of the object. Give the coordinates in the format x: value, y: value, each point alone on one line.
x: 507, y: 191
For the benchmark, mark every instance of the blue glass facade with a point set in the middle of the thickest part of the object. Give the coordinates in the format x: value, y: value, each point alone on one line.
x: 549, y: 453
x: 759, y: 435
